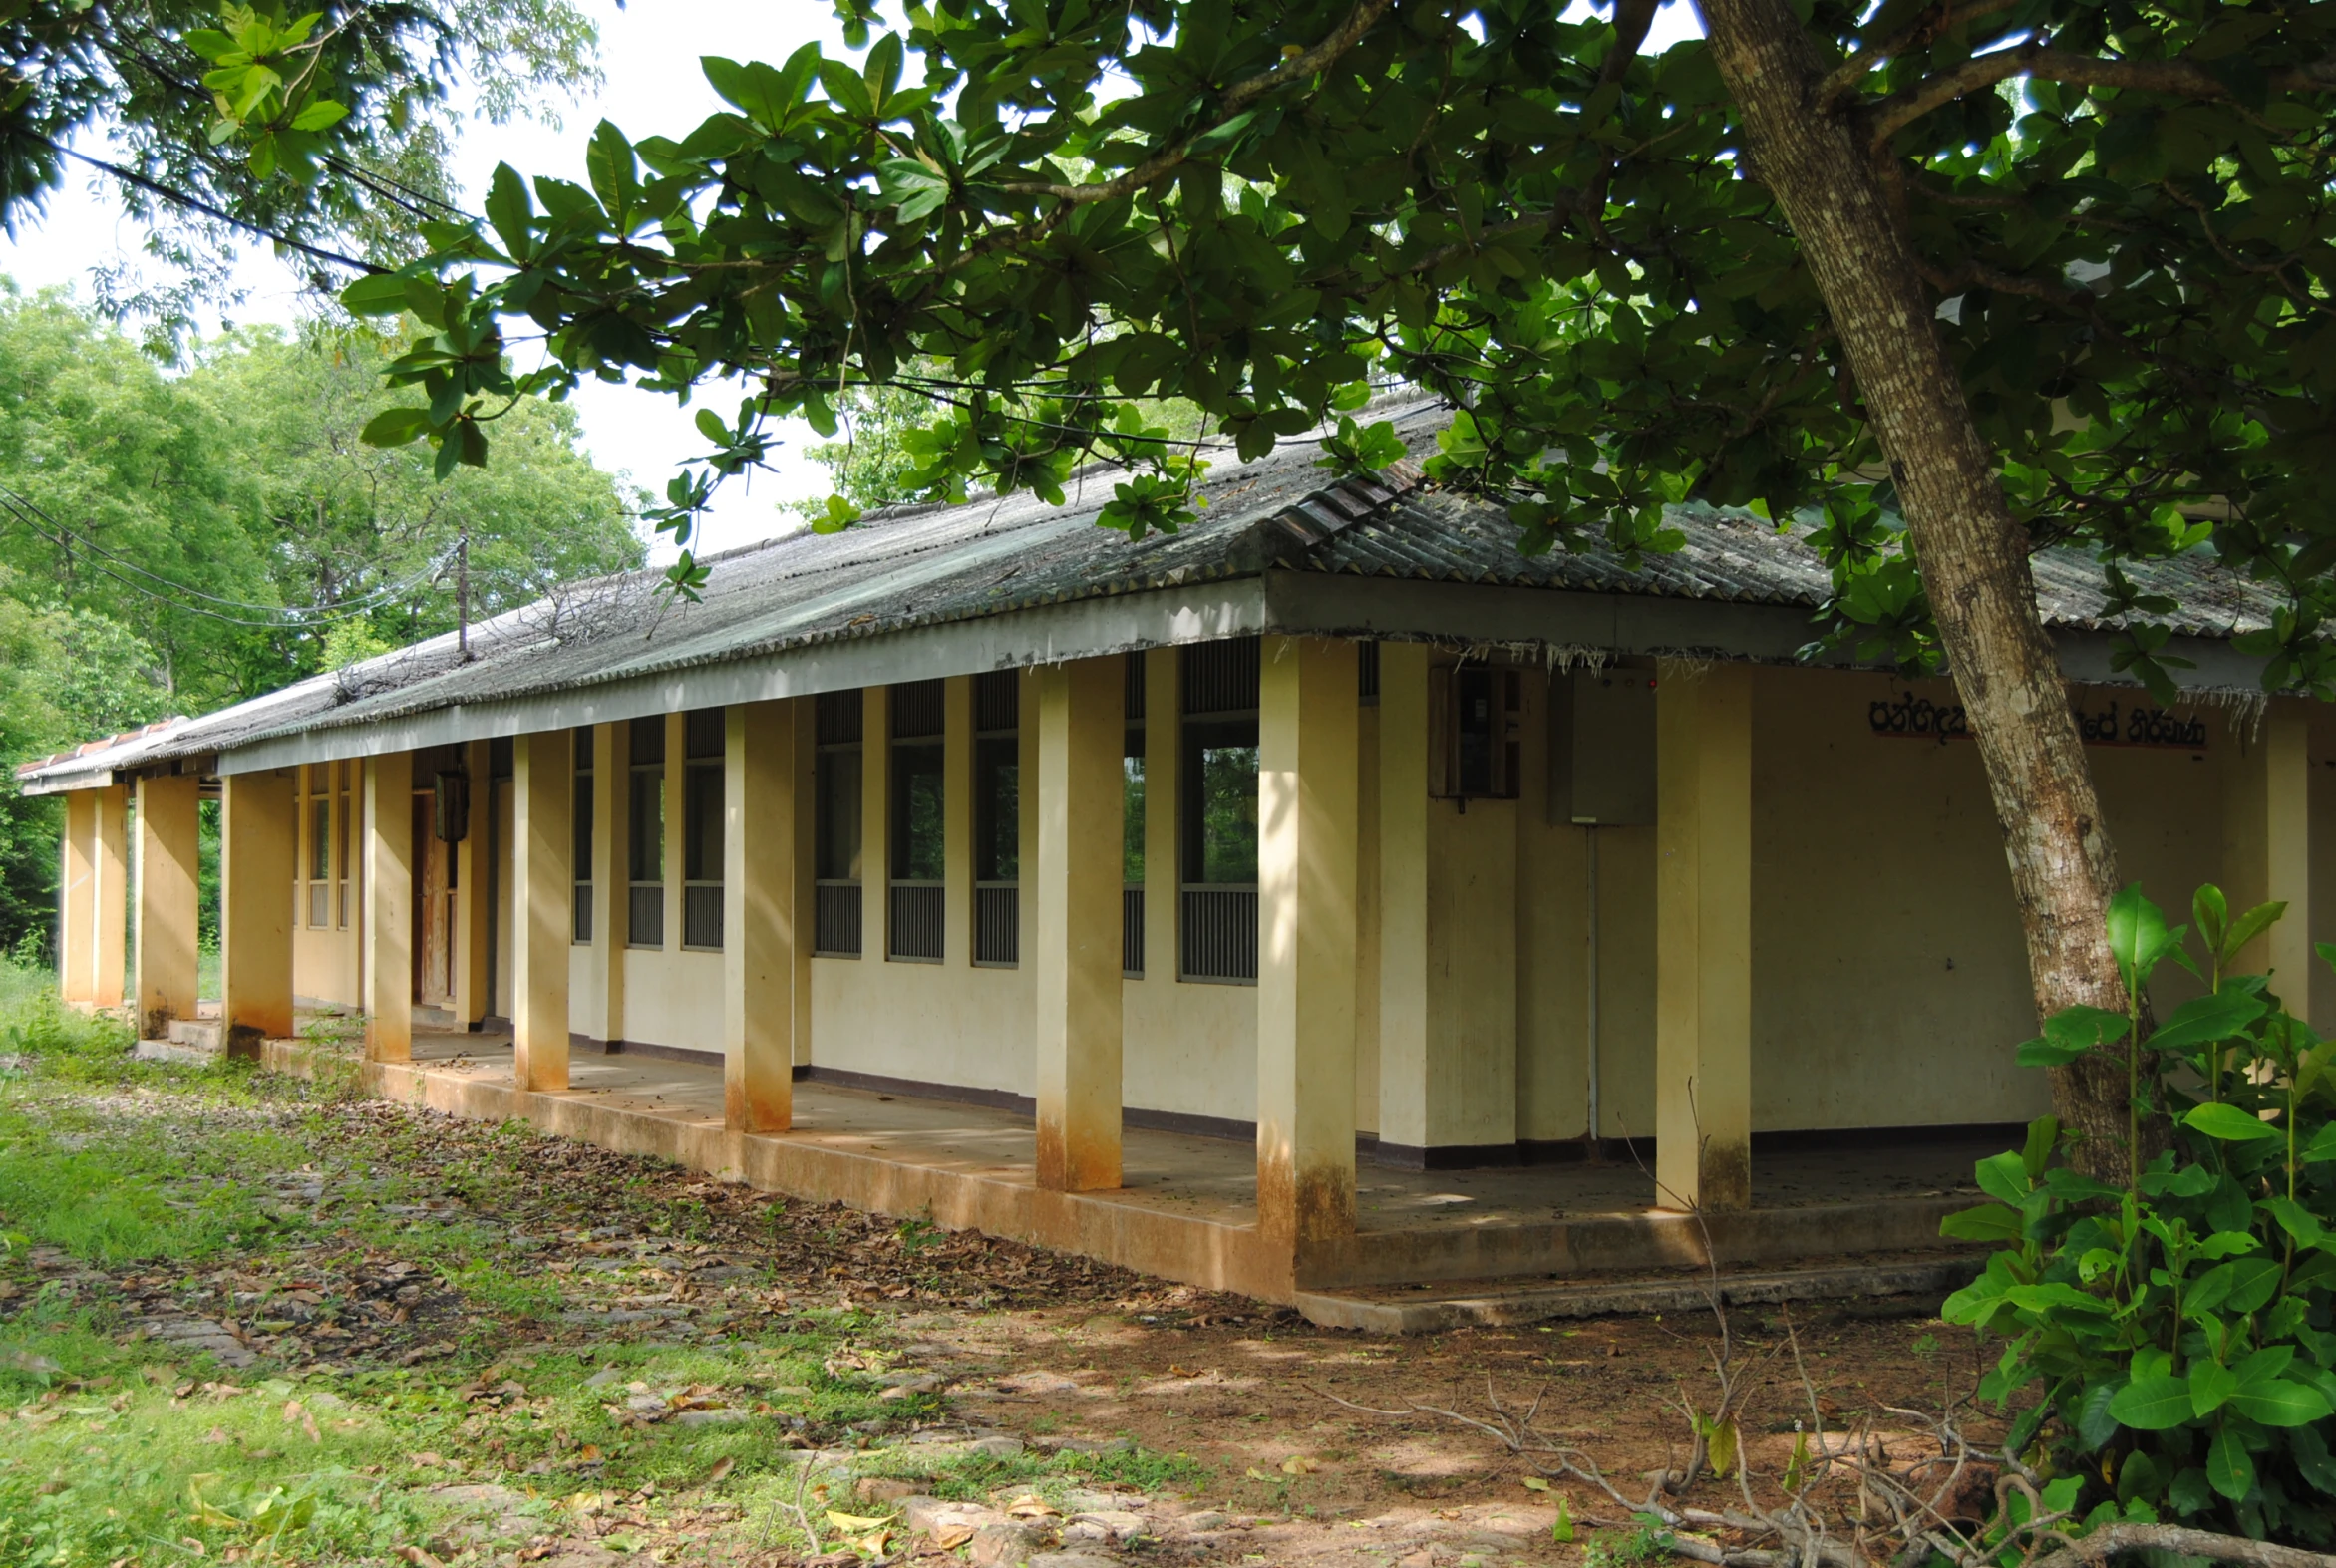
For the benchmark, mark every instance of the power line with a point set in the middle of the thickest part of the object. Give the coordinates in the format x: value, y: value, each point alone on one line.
x: 280, y: 617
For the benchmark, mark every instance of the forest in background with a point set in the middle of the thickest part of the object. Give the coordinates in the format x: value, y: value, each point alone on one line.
x: 172, y: 540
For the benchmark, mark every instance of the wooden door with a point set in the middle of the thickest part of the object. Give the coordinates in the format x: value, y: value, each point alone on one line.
x: 434, y: 912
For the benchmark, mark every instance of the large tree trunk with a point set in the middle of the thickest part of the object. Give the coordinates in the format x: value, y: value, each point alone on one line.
x: 1973, y: 556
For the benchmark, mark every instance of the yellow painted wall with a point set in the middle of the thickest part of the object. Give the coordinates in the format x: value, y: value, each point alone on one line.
x: 673, y: 997
x: 2323, y: 797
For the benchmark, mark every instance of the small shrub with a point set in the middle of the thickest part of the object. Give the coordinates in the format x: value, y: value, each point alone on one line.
x: 2177, y: 1330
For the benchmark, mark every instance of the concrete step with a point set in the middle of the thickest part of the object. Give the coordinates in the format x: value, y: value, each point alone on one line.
x: 174, y: 1051
x: 203, y: 1033
x: 1488, y: 1304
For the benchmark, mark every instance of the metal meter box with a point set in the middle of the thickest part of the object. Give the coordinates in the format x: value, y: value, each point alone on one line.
x: 1602, y: 747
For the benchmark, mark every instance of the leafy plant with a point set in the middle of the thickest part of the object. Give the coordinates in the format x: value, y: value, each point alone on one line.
x: 2177, y: 1328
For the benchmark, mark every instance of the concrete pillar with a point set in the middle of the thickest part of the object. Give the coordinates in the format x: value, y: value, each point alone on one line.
x: 259, y: 837
x: 1703, y: 938
x: 1447, y: 943
x: 1163, y: 738
x: 77, y: 902
x: 2266, y: 844
x: 1307, y: 826
x: 167, y: 919
x: 110, y: 954
x: 389, y: 907
x: 544, y: 894
x: 1075, y: 921
x: 473, y: 861
x: 611, y: 789
x: 766, y: 913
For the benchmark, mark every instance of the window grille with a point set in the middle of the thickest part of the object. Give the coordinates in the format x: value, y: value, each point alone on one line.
x: 1132, y: 836
x: 997, y: 924
x: 1217, y: 906
x: 839, y: 716
x: 837, y: 807
x: 1220, y: 933
x: 1221, y: 677
x: 997, y: 819
x: 705, y: 738
x: 835, y: 919
x: 342, y: 835
x: 580, y: 836
x: 916, y: 708
x: 644, y: 924
x: 919, y: 915
x: 997, y: 700
x: 1132, y: 698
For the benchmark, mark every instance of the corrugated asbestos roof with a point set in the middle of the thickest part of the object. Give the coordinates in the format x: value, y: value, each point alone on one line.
x: 919, y: 566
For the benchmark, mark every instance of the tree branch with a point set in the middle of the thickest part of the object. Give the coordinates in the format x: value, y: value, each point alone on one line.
x: 2098, y: 1546
x: 1854, y: 70
x: 197, y: 203
x: 2182, y: 78
x: 1236, y: 97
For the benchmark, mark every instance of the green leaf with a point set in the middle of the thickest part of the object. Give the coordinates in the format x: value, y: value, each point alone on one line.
x: 318, y: 115
x: 614, y: 173
x: 2201, y: 1020
x: 2003, y: 1177
x: 1987, y: 1222
x: 509, y: 210
x: 2157, y: 1403
x: 2229, y: 1468
x: 395, y: 426
x: 2281, y: 1402
x: 2249, y: 926
x: 2321, y: 1147
x: 2138, y: 935
x: 2211, y: 1382
x: 377, y: 294
x: 2228, y: 1123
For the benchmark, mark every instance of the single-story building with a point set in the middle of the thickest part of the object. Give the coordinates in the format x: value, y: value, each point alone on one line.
x: 1331, y: 826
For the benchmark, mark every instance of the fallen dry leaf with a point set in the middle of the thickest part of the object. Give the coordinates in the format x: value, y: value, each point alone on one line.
x: 1031, y: 1508
x: 1299, y: 1464
x: 951, y: 1536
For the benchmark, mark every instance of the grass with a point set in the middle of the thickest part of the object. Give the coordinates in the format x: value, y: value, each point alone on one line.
x: 218, y: 1190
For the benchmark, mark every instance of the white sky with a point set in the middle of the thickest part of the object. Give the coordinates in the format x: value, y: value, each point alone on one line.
x: 649, y: 54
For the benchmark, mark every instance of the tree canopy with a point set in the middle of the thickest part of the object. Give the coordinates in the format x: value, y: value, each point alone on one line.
x: 215, y: 125
x: 2121, y: 213
x: 173, y: 543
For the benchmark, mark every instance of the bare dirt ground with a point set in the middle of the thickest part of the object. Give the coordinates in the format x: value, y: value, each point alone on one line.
x: 547, y: 1353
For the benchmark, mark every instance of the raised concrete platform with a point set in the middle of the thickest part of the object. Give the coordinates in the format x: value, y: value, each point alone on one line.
x: 1187, y: 1210
x: 1399, y: 1310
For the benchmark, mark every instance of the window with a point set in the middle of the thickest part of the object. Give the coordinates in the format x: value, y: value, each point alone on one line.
x: 1132, y: 837
x: 1478, y: 720
x: 1217, y: 802
x: 342, y: 835
x: 1366, y: 674
x: 703, y: 745
x: 836, y: 805
x: 580, y: 827
x: 919, y: 903
x: 644, y: 834
x: 320, y: 845
x: 997, y: 818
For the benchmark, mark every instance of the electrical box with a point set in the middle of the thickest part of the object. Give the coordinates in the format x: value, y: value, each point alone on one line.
x: 450, y: 799
x: 1473, y: 711
x: 1602, y: 748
